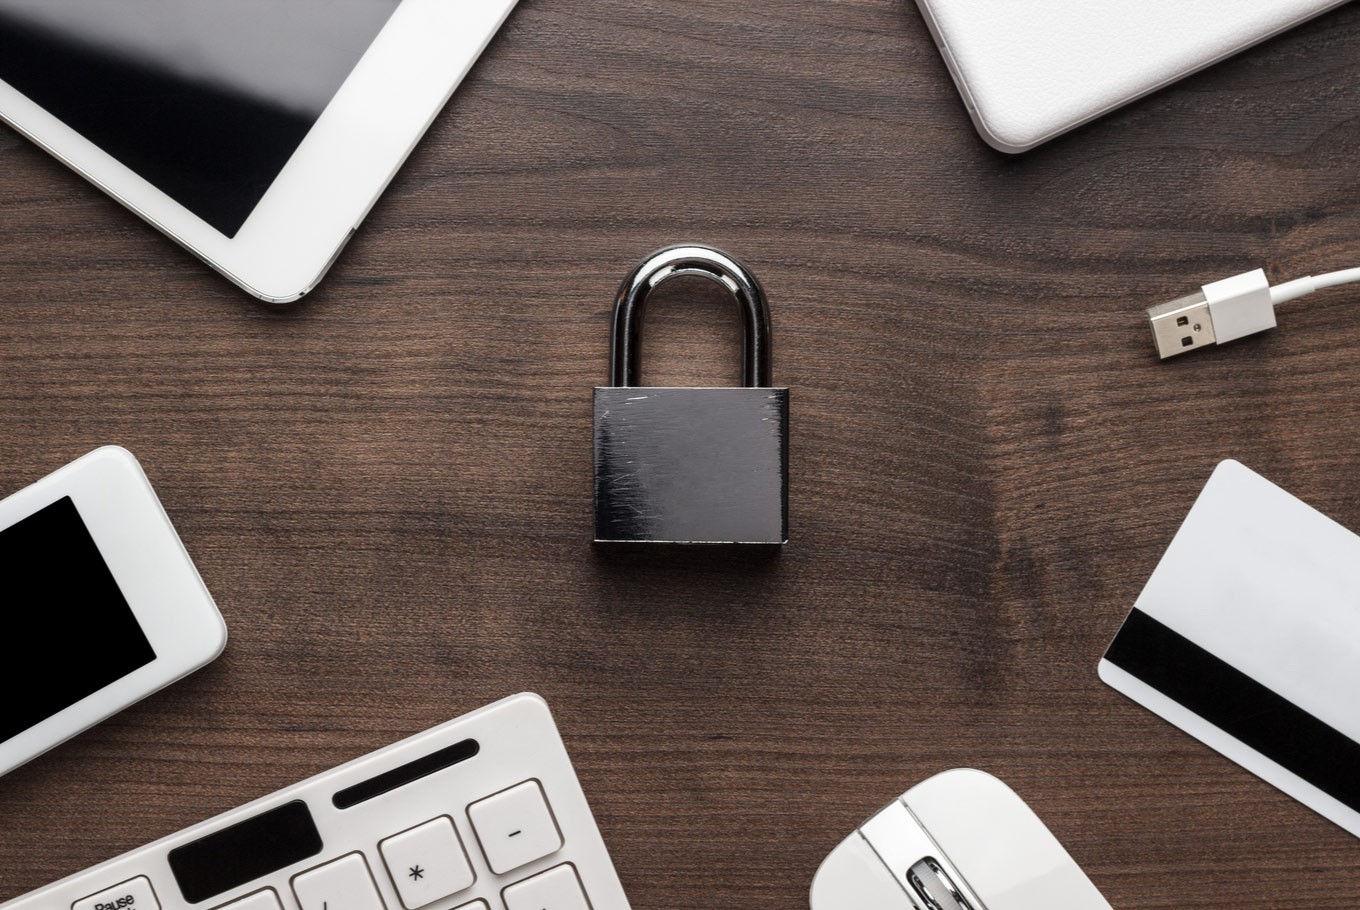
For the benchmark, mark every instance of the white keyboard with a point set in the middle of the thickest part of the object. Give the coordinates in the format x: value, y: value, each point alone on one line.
x: 481, y: 813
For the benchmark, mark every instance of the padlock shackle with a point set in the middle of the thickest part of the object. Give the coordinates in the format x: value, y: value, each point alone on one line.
x: 690, y: 259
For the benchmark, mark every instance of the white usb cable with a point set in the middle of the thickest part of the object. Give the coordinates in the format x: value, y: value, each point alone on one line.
x: 1229, y: 309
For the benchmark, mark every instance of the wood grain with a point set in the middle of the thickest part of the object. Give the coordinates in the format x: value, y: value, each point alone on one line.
x: 387, y: 487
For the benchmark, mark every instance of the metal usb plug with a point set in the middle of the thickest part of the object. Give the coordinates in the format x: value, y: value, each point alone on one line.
x: 1220, y: 311
x: 1182, y: 325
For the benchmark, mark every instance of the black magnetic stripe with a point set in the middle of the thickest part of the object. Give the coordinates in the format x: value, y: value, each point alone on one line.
x: 1239, y: 706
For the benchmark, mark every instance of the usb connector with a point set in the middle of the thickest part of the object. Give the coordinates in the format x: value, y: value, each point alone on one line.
x: 1182, y: 325
x: 1223, y: 311
x: 1230, y: 309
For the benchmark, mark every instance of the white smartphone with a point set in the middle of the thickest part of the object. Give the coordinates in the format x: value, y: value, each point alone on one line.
x: 256, y: 133
x: 1030, y: 70
x: 102, y: 603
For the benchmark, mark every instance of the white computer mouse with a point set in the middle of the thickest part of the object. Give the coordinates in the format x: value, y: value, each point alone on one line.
x: 961, y: 840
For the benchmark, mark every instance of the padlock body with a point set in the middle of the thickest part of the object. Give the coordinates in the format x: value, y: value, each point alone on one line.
x: 676, y: 465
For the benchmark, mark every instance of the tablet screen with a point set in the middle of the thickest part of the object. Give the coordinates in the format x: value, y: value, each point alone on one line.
x: 68, y: 630
x: 205, y: 99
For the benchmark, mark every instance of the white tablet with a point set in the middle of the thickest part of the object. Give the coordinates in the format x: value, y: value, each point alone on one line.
x: 256, y: 133
x: 101, y: 603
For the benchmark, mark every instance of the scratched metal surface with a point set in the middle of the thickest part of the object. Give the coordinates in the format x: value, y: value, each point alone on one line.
x: 691, y: 465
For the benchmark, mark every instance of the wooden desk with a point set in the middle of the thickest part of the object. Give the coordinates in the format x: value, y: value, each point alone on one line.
x: 387, y: 487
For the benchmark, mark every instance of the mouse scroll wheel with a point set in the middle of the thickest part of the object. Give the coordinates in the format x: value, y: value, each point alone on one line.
x: 935, y: 888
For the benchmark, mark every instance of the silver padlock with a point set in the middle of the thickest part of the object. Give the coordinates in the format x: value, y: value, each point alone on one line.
x: 681, y: 465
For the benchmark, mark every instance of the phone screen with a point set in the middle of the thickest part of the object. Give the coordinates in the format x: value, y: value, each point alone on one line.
x: 68, y: 629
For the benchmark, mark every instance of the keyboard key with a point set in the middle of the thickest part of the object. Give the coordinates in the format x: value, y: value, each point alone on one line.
x: 475, y: 905
x: 268, y: 899
x: 515, y: 827
x: 342, y: 884
x: 557, y: 889
x: 427, y: 863
x: 133, y: 894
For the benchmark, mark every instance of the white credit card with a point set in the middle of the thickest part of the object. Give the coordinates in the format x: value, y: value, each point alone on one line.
x: 1247, y: 637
